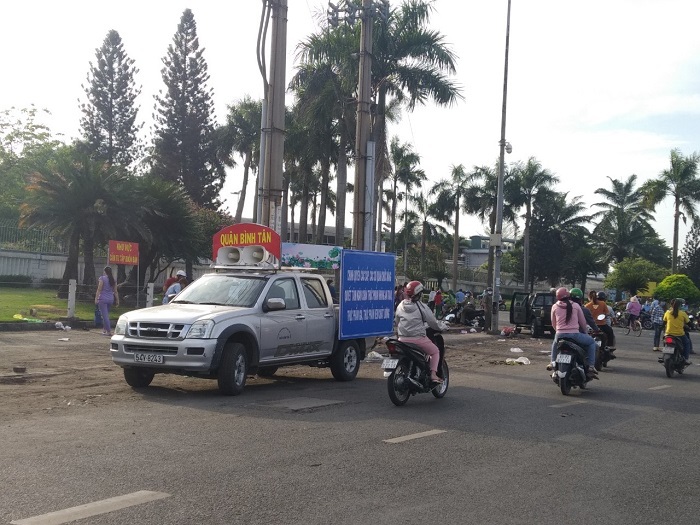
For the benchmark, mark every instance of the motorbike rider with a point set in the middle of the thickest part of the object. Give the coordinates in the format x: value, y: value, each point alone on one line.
x: 569, y: 320
x: 598, y: 306
x: 657, y: 319
x: 410, y: 319
x: 675, y: 320
x: 633, y: 309
x: 577, y: 296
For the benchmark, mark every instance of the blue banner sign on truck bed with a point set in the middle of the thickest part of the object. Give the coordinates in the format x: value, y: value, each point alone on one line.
x: 366, y: 293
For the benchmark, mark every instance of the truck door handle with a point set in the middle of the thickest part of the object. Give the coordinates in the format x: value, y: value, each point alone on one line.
x: 327, y: 315
x: 300, y: 317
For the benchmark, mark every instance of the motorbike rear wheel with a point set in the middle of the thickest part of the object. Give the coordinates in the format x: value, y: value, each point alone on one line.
x: 440, y: 391
x: 397, y: 384
x: 668, y: 365
x: 564, y: 385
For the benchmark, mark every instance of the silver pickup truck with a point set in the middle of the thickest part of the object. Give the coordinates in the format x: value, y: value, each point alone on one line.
x: 229, y: 325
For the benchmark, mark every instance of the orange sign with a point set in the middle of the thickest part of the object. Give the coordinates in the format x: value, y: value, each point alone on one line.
x: 247, y: 234
x: 123, y: 252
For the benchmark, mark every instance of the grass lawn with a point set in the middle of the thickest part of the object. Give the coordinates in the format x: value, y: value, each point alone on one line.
x: 23, y: 301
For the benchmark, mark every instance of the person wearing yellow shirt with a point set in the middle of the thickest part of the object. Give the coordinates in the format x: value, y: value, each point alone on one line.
x: 675, y: 320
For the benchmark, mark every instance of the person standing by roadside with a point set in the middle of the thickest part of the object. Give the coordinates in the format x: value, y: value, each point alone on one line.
x: 173, y: 279
x: 175, y: 288
x: 438, y: 303
x: 657, y: 319
x: 106, y: 296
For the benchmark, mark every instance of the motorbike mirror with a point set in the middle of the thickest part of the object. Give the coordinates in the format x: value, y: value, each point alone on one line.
x: 690, y: 317
x: 600, y: 317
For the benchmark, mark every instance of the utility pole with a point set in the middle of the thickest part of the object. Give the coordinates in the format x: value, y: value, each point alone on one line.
x: 274, y: 127
x: 496, y: 238
x: 363, y: 127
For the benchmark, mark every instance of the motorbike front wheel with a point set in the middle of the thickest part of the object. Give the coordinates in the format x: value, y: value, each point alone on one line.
x: 397, y: 384
x: 441, y: 390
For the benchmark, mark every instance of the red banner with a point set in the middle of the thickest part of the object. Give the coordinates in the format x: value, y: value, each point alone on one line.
x: 247, y: 234
x: 123, y: 252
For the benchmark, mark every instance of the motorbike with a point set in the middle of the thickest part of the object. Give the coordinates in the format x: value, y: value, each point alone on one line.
x: 408, y: 371
x: 569, y: 366
x: 672, y: 355
x: 603, y: 355
x: 645, y: 319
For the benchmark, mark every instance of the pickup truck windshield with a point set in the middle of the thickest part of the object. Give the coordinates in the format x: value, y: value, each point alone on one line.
x: 227, y: 290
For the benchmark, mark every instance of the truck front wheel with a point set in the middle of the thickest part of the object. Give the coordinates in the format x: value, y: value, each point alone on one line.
x: 233, y: 370
x: 345, y: 362
x: 138, y: 377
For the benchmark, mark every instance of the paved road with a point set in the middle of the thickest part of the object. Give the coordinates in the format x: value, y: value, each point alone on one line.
x: 510, y: 450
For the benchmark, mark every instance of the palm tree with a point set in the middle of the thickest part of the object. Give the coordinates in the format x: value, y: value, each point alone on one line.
x: 406, y: 172
x: 449, y: 193
x: 623, y: 220
x: 325, y: 83
x: 426, y: 211
x: 679, y: 182
x: 79, y: 199
x: 533, y: 178
x: 241, y: 134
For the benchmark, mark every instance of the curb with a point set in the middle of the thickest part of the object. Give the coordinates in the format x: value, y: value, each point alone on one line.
x: 75, y: 324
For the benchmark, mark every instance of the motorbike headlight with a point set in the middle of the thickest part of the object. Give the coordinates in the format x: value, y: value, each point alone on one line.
x: 120, y: 328
x: 201, y: 330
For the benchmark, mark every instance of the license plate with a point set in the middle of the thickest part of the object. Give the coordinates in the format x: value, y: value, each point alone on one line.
x: 563, y: 358
x: 669, y: 349
x: 390, y: 363
x: 148, y: 358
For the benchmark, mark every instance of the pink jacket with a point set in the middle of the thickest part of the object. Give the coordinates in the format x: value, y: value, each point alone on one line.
x: 634, y: 307
x: 577, y: 321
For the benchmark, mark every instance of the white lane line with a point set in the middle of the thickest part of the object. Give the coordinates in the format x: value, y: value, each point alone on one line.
x: 93, y: 509
x: 569, y: 404
x: 415, y: 436
x: 660, y: 387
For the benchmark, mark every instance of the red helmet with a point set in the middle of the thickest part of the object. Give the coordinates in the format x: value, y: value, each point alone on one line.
x: 562, y: 293
x: 413, y: 288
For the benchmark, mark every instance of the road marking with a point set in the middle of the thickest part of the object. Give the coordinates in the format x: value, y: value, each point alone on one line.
x: 415, y: 436
x: 93, y: 509
x: 296, y: 404
x: 569, y: 404
x: 660, y: 387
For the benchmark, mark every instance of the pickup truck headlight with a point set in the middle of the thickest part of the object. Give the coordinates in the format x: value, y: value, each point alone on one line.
x: 122, y: 323
x: 200, y: 330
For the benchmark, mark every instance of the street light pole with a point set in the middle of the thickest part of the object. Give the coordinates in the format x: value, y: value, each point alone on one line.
x: 362, y: 128
x: 496, y: 239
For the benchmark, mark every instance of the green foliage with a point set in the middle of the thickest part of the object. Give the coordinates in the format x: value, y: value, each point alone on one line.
x: 185, y: 148
x: 677, y: 285
x: 109, y: 115
x: 15, y: 281
x: 633, y: 274
x: 690, y: 256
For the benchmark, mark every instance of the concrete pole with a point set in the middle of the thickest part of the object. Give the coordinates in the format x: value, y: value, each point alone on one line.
x: 496, y: 239
x: 363, y: 126
x: 272, y: 178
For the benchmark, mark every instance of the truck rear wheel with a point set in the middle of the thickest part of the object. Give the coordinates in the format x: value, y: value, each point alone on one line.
x: 345, y: 362
x: 138, y: 377
x: 233, y: 370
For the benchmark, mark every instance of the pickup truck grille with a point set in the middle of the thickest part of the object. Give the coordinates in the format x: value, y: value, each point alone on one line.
x: 156, y: 349
x: 156, y: 330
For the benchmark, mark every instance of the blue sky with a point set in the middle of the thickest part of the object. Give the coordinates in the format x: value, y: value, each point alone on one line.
x: 599, y: 89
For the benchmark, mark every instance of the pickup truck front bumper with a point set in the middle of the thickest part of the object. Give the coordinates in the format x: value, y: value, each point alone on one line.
x: 183, y: 356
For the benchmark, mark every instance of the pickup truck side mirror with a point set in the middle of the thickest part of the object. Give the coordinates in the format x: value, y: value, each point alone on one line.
x: 274, y: 303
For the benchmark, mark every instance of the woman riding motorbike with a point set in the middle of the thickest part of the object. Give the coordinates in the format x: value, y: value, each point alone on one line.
x: 410, y: 320
x: 598, y: 306
x: 568, y: 320
x: 675, y: 320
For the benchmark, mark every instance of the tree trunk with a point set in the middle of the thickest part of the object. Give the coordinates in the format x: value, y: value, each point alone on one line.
x: 71, y: 270
x: 89, y: 258
x: 676, y: 217
x: 304, y: 211
x: 341, y: 188
x: 244, y: 187
x: 392, y: 230
x: 526, y: 245
x: 325, y: 184
x: 285, y: 206
x: 455, y: 247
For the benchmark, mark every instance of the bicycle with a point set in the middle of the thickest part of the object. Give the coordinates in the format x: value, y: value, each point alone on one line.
x: 635, y: 327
